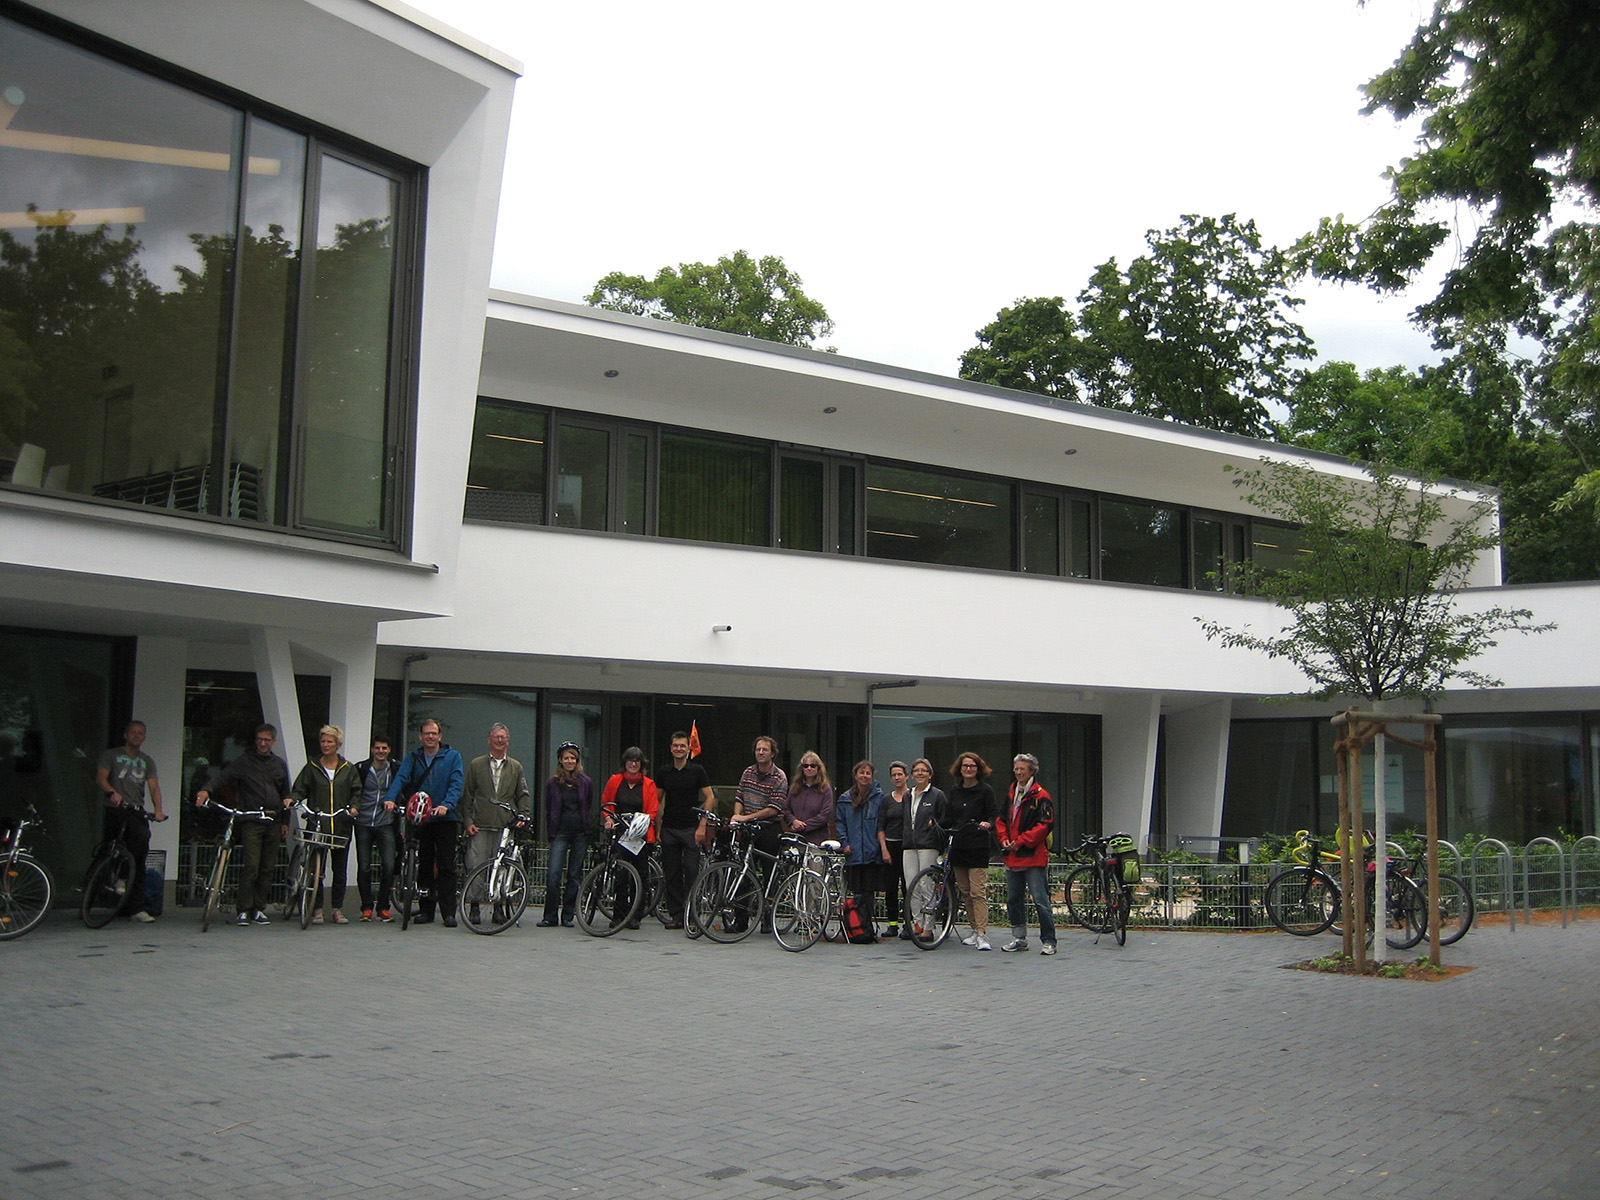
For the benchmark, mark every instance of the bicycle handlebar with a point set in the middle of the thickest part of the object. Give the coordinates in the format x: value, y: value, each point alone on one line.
x: 243, y: 814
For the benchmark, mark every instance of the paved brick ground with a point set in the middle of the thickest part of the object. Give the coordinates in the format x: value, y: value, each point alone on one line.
x: 144, y: 1061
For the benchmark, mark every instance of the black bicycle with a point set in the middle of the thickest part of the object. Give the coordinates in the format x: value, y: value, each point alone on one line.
x: 1099, y: 893
x: 611, y: 894
x: 109, y: 887
x: 219, y: 869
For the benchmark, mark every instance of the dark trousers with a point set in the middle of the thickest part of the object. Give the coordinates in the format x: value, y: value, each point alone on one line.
x: 339, y: 860
x: 680, y: 864
x: 381, y: 836
x: 862, y: 880
x: 894, y: 881
x: 134, y: 833
x: 436, y: 865
x: 260, y: 841
x: 641, y: 864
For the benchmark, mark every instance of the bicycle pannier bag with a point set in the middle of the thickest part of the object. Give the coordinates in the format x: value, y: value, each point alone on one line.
x: 856, y: 929
x: 1127, y: 853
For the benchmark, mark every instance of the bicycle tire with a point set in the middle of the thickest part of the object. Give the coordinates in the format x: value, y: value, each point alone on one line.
x: 105, y: 892
x: 602, y: 909
x: 501, y: 898
x: 727, y: 902
x: 294, y: 882
x: 1121, y: 904
x: 1302, y: 901
x: 656, y: 892
x: 1456, y: 909
x: 214, y: 887
x: 1087, y: 902
x: 929, y: 908
x: 1408, y: 914
x: 800, y: 910
x: 25, y: 892
x: 406, y: 886
x: 309, y: 885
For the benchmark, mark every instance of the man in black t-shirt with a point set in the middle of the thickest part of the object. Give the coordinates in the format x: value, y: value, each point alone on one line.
x: 685, y: 791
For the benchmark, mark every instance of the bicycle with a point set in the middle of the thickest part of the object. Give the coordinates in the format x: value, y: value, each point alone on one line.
x: 611, y: 893
x: 25, y: 886
x: 728, y: 900
x: 113, y: 874
x: 308, y: 862
x: 499, y: 886
x: 809, y: 898
x: 934, y: 905
x: 1307, y: 900
x: 1099, y: 895
x: 219, y: 871
x: 1457, y: 909
x: 407, y: 889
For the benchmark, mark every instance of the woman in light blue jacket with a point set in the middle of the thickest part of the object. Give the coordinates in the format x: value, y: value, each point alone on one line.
x: 857, y: 820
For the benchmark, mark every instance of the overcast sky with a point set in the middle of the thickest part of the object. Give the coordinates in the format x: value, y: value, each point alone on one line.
x: 922, y: 165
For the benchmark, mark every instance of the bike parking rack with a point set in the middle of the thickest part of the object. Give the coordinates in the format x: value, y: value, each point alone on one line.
x: 1502, y: 853
x: 1561, y: 877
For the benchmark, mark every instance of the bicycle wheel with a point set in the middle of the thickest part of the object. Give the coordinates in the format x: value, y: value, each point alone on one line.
x: 656, y: 892
x: 295, y: 881
x: 308, y: 886
x: 1408, y: 914
x: 1302, y: 901
x: 727, y: 901
x: 214, y: 887
x: 106, y: 891
x: 499, y: 893
x: 800, y: 910
x: 1087, y: 900
x: 608, y: 898
x: 1456, y: 909
x: 24, y: 897
x: 405, y: 887
x: 929, y: 909
x: 1121, y: 904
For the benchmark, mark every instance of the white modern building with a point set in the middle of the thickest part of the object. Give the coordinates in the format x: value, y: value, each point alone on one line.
x: 270, y: 447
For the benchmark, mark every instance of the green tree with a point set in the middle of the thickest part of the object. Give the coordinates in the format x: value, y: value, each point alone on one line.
x: 1371, y: 603
x: 1201, y: 330
x: 758, y: 298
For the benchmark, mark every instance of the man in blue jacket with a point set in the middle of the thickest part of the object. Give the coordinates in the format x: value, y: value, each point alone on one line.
x: 436, y: 769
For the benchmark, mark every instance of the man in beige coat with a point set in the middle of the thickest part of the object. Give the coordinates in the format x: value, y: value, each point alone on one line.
x: 490, y: 777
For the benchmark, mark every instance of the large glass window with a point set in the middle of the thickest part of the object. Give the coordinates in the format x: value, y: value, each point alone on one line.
x: 1515, y: 781
x: 1141, y: 543
x: 183, y: 286
x: 715, y: 490
x: 929, y: 516
x: 1276, y: 547
x: 506, y: 477
x: 583, y: 476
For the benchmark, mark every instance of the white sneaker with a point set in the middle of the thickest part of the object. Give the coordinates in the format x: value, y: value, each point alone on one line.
x: 972, y: 940
x: 983, y: 944
x: 1014, y: 946
x: 316, y: 917
x: 142, y: 917
x: 1048, y: 948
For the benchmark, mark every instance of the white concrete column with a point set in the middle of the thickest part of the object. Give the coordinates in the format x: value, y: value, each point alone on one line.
x: 1128, y: 728
x: 1197, y: 768
x: 351, y: 661
x: 159, y: 680
x: 280, y: 701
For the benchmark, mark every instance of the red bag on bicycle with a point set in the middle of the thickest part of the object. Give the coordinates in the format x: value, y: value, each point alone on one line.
x: 857, y: 929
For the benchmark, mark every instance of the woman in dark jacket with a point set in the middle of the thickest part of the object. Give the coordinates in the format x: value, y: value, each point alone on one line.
x: 331, y: 787
x: 569, y: 808
x: 970, y: 811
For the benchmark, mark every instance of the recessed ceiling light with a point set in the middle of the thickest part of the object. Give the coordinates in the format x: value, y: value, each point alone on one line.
x: 1074, y: 451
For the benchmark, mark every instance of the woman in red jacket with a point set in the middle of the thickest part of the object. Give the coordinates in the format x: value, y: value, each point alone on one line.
x: 1023, y: 828
x: 632, y: 792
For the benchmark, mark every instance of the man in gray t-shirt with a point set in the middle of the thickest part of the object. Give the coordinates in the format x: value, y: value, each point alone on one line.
x: 123, y: 775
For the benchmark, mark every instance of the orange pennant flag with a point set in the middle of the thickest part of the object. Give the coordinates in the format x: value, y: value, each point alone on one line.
x: 694, y: 740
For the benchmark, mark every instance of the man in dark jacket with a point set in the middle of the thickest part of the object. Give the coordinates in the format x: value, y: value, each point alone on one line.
x: 1024, y: 829
x: 436, y: 769
x: 261, y: 780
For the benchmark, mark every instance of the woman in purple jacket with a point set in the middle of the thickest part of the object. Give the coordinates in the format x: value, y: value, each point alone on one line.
x: 811, y: 801
x: 569, y: 807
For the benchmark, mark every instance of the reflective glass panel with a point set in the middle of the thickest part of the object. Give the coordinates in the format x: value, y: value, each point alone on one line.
x: 505, y: 477
x: 583, y: 477
x: 1141, y: 543
x: 715, y: 491
x: 938, y: 517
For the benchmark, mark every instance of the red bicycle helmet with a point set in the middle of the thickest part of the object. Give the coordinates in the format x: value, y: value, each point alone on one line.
x: 419, y: 807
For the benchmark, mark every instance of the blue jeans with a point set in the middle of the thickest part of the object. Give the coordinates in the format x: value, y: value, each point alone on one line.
x: 1033, y: 879
x: 566, y: 859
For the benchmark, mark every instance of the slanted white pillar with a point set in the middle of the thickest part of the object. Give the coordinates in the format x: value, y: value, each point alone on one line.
x: 1128, y: 729
x: 351, y: 661
x: 280, y: 701
x: 1197, y: 768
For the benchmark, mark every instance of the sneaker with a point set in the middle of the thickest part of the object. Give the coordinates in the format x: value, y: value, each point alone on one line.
x: 142, y: 917
x: 316, y: 916
x: 1014, y: 946
x: 386, y: 916
x: 970, y: 940
x: 242, y: 919
x: 260, y: 918
x: 366, y: 914
x: 1048, y: 948
x: 339, y: 918
x: 983, y: 944
x: 894, y: 930
x: 544, y: 923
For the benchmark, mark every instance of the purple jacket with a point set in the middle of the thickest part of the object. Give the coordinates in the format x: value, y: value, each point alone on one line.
x: 813, y: 807
x: 552, y: 804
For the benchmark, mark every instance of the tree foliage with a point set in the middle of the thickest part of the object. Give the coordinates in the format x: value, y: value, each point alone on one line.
x: 758, y: 298
x: 1201, y: 330
x: 1371, y: 601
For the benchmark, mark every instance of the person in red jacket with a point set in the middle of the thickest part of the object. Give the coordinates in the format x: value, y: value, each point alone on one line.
x: 1024, y: 828
x: 632, y: 792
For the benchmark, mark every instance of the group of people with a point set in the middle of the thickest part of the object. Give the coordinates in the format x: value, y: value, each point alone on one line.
x: 886, y: 836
